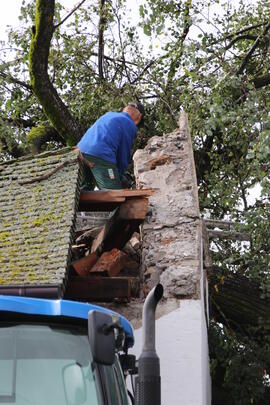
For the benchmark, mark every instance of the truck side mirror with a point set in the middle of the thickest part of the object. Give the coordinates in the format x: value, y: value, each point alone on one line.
x: 101, y: 337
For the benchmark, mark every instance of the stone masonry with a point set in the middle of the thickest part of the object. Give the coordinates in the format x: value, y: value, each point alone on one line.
x: 171, y: 233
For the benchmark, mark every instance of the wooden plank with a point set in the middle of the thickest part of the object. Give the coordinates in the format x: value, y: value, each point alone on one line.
x: 231, y: 235
x: 108, y: 200
x: 100, y: 196
x: 97, y: 288
x: 132, y: 193
x: 96, y: 244
x: 109, y: 263
x: 114, y: 195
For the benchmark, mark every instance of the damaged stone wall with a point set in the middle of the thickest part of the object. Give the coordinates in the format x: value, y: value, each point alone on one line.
x: 171, y: 233
x: 172, y: 254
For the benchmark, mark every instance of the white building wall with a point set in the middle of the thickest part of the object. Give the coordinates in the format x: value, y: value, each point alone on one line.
x: 181, y: 340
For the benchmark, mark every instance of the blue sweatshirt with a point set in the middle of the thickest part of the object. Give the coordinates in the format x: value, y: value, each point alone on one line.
x: 111, y: 138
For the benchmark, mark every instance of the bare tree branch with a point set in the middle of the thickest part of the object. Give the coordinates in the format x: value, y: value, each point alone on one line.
x: 240, y: 38
x: 143, y: 71
x: 101, y: 28
x: 12, y: 79
x: 68, y: 15
x: 237, y: 33
x: 245, y: 30
x: 120, y: 61
x: 122, y: 48
x: 187, y: 24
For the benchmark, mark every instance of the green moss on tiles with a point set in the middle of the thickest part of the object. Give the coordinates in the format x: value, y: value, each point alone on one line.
x: 35, y: 216
x: 4, y: 236
x: 37, y: 222
x: 14, y: 274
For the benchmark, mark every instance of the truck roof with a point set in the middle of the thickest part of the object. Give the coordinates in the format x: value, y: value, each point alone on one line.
x: 60, y: 308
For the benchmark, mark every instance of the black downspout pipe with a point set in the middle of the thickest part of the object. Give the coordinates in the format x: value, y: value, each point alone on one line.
x: 148, y: 383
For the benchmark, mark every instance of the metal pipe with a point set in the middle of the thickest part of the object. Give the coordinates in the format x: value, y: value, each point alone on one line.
x: 148, y: 384
x: 148, y: 318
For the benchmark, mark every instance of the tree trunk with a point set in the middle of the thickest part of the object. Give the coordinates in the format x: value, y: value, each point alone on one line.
x: 56, y: 111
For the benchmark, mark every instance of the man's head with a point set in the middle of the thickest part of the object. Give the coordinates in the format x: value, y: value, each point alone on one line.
x: 136, y: 111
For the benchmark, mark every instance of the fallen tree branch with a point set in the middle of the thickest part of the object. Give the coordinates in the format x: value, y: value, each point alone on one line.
x: 49, y: 174
x: 83, y: 160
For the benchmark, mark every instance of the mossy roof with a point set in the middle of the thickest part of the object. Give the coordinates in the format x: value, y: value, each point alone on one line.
x: 37, y: 220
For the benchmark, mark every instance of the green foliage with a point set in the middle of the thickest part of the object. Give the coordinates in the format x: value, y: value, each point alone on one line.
x: 240, y: 365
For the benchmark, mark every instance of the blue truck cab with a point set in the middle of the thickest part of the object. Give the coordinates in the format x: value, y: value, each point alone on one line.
x: 58, y: 352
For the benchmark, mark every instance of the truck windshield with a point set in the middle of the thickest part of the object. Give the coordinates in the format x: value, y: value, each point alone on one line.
x: 41, y: 365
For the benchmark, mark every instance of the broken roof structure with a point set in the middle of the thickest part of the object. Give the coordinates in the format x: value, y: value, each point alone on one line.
x: 38, y: 200
x: 40, y: 197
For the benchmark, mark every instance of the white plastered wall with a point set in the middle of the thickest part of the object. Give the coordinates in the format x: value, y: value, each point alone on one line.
x: 182, y: 346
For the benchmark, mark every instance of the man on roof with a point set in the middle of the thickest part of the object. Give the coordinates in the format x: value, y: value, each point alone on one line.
x: 107, y: 144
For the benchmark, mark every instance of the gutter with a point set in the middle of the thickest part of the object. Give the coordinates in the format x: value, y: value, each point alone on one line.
x: 52, y: 291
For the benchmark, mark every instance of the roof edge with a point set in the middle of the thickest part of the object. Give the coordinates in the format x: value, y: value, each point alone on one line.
x: 45, y: 154
x: 36, y: 291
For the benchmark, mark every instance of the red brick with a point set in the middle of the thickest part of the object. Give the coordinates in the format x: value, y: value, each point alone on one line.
x: 109, y: 263
x: 84, y: 265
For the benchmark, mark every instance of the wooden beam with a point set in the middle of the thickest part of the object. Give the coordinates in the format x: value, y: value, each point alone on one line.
x: 134, y: 209
x: 98, y: 288
x: 113, y: 195
x: 232, y: 235
x: 217, y: 223
x: 121, y: 226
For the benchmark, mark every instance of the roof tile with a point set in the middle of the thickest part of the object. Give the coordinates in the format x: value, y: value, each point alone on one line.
x: 37, y: 219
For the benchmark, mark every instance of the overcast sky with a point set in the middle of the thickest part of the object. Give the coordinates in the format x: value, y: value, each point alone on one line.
x: 10, y: 10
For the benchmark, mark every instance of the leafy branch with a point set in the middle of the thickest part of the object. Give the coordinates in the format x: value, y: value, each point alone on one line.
x: 68, y: 15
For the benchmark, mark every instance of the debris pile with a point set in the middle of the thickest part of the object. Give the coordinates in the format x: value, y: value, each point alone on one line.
x: 106, y: 259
